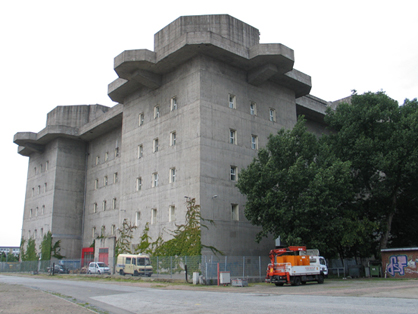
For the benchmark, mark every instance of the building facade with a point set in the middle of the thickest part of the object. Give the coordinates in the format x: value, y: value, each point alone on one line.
x: 190, y: 115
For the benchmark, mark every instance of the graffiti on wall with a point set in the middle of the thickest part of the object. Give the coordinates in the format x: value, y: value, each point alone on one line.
x: 400, y: 264
x: 397, y: 264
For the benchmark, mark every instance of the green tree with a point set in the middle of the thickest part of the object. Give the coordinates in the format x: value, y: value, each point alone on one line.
x: 48, y: 249
x: 380, y: 140
x: 30, y: 254
x: 297, y: 189
x: 123, y: 244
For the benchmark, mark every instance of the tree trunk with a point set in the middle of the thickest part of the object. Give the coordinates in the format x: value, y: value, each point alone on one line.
x: 385, y: 237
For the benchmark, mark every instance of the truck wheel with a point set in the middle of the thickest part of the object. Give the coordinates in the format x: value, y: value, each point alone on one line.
x: 321, y: 279
x: 279, y: 284
x: 121, y: 272
x: 303, y: 282
x: 295, y: 281
x: 136, y: 273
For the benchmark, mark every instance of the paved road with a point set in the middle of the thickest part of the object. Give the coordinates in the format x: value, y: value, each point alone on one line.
x: 133, y: 298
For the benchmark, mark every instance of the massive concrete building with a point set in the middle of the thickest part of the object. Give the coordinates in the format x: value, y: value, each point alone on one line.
x: 190, y: 115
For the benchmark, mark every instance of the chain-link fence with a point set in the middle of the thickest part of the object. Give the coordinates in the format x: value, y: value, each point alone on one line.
x: 252, y: 268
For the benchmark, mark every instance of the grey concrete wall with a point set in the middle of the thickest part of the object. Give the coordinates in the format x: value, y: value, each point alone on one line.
x: 38, y: 199
x: 99, y: 147
x: 183, y: 84
x: 224, y: 25
x: 67, y: 211
x: 75, y: 116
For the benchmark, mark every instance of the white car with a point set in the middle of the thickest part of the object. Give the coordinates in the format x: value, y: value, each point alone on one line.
x: 98, y: 268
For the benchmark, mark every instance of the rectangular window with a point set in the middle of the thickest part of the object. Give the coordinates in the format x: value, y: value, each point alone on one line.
x: 172, y: 175
x: 97, y: 160
x: 253, y: 109
x: 30, y: 213
x: 156, y: 112
x: 153, y: 216
x: 233, y: 173
x: 33, y: 191
x: 117, y: 152
x: 105, y: 181
x: 36, y: 211
x: 96, y: 184
x: 46, y: 165
x: 114, y: 204
x: 232, y: 101
x: 115, y: 177
x: 45, y: 187
x: 272, y: 115
x: 254, y: 142
x: 41, y: 168
x: 235, y: 212
x: 103, y: 231
x: 106, y: 156
x: 43, y: 209
x: 113, y: 229
x: 155, y: 145
x: 141, y: 119
x: 36, y: 233
x: 172, y: 213
x: 232, y: 136
x: 42, y: 232
x: 95, y: 208
x: 137, y: 218
x: 128, y: 261
x: 155, y: 179
x: 173, y: 138
x: 140, y: 151
x: 93, y: 232
x: 39, y: 189
x: 173, y: 104
x: 104, y: 205
x: 138, y: 184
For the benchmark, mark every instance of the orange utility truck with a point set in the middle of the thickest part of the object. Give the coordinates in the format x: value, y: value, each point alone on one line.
x: 293, y: 266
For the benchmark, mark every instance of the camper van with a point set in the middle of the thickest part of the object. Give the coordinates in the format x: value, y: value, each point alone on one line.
x: 135, y: 265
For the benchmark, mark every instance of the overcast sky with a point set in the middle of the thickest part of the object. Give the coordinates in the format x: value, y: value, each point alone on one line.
x: 59, y: 53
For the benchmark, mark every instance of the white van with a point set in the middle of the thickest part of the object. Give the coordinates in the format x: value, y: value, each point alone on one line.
x: 135, y: 265
x: 98, y: 268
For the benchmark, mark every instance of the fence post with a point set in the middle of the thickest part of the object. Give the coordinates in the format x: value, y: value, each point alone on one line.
x: 171, y: 267
x: 243, y: 267
x: 259, y: 266
x: 158, y: 269
x: 226, y: 261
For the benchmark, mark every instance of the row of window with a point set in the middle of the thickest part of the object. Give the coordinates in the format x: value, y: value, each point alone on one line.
x: 232, y: 103
x: 35, y: 233
x: 155, y: 178
x: 104, y: 205
x: 39, y: 189
x: 233, y: 139
x: 106, y: 156
x: 40, y: 169
x: 171, y: 218
x: 106, y: 180
x: 36, y: 212
x: 157, y: 113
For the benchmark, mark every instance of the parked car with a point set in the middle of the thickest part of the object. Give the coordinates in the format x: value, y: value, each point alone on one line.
x: 98, y: 268
x: 58, y: 269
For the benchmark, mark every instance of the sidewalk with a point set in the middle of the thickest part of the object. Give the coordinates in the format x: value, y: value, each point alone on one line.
x: 21, y: 300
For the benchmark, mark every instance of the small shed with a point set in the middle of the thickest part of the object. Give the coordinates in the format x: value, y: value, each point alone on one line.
x: 400, y: 262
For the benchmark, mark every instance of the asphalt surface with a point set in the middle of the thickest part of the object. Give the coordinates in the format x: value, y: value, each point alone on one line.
x: 26, y: 294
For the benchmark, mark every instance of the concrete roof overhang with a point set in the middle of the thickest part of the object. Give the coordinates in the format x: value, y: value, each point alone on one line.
x: 313, y: 108
x: 144, y: 68
x: 30, y: 142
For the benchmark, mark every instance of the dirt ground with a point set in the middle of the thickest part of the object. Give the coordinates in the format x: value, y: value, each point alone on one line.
x: 20, y: 299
